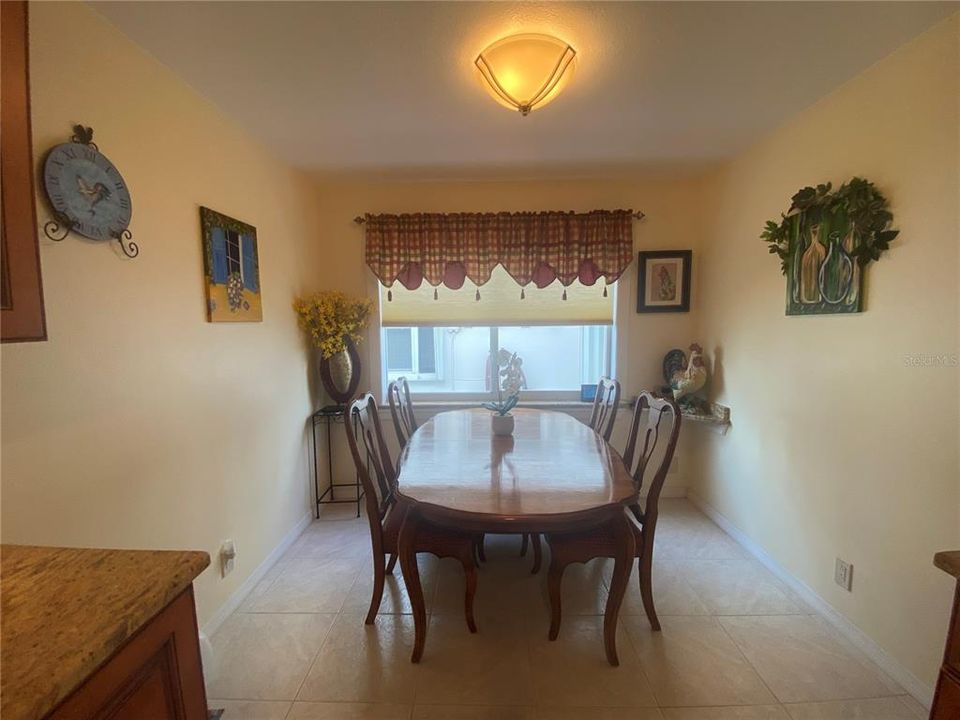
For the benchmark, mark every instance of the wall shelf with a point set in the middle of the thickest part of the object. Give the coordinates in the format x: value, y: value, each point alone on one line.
x: 718, y: 417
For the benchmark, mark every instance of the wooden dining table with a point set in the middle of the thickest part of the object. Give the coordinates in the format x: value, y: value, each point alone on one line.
x: 553, y: 475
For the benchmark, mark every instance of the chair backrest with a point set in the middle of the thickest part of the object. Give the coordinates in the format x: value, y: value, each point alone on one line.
x: 650, y: 438
x: 605, y: 407
x: 371, y: 457
x: 401, y: 410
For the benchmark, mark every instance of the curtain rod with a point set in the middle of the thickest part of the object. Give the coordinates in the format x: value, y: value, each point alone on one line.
x: 360, y: 220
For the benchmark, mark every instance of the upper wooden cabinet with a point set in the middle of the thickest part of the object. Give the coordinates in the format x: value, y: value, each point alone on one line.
x: 21, y: 288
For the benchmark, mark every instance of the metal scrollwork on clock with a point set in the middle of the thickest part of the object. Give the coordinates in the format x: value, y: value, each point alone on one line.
x: 87, y: 193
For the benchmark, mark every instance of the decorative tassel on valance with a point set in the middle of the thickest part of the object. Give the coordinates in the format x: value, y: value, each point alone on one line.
x: 537, y: 247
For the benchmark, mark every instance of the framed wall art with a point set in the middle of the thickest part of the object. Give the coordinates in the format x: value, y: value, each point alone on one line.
x: 825, y: 242
x: 231, y: 267
x: 663, y: 281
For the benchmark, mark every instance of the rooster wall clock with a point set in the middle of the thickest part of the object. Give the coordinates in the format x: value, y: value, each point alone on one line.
x: 87, y: 193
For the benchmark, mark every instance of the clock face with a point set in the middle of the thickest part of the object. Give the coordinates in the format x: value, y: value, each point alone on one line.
x: 86, y: 188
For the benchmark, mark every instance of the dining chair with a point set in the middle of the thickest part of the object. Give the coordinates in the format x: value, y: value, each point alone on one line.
x: 605, y: 406
x: 651, y: 417
x: 401, y: 410
x: 405, y: 424
x: 385, y: 515
x: 602, y: 417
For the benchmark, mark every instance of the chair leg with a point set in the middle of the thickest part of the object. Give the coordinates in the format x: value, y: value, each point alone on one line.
x: 646, y: 589
x: 406, y: 550
x: 470, y: 573
x: 481, y: 553
x: 626, y: 551
x: 523, y: 544
x: 391, y: 563
x: 378, y: 577
x: 554, y: 582
x: 537, y: 554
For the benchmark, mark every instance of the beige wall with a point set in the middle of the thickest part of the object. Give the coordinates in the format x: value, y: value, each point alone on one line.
x: 839, y: 447
x: 673, y: 222
x: 139, y: 424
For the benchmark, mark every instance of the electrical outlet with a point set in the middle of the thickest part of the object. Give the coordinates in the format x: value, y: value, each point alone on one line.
x: 843, y: 575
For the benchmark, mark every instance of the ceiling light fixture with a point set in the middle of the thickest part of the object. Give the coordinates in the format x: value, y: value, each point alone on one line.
x: 523, y: 72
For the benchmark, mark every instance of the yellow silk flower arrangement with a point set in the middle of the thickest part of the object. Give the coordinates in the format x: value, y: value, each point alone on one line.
x: 330, y: 317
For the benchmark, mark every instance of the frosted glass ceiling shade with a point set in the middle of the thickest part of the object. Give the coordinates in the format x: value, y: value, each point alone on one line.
x: 524, y: 72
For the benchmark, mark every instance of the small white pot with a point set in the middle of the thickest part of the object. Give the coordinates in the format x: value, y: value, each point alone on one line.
x: 501, y: 424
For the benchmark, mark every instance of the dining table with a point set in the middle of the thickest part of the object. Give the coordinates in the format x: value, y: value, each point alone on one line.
x: 554, y: 474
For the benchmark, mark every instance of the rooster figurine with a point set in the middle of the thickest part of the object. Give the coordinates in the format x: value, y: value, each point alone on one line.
x: 690, y: 380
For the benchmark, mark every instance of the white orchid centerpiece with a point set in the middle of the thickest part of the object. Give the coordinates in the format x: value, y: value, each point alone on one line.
x: 509, y: 372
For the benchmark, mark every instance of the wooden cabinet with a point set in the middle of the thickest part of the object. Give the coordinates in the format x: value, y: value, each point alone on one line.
x: 100, y: 634
x: 946, y: 700
x: 21, y: 289
x: 156, y: 676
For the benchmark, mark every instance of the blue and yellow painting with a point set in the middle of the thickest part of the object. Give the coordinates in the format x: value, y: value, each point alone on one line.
x: 232, y: 268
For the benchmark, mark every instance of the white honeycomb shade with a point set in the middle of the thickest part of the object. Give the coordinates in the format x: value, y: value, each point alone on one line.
x: 499, y: 304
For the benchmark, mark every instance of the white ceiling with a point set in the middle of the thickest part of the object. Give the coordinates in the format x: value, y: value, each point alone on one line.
x: 390, y: 87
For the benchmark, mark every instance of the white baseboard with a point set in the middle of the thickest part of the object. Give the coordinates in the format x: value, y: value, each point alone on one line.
x: 922, y: 692
x: 240, y: 594
x: 673, y: 491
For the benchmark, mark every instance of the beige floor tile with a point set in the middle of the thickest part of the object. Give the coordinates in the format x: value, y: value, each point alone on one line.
x: 573, y: 670
x: 333, y: 539
x: 395, y: 599
x: 341, y: 512
x: 874, y: 709
x: 308, y: 585
x: 265, y: 656
x: 261, y: 587
x: 598, y: 713
x: 364, y: 663
x: 583, y: 590
x: 683, y: 531
x: 703, y: 543
x: 801, y: 659
x: 491, y: 667
x: 509, y: 671
x: 739, y: 586
x: 743, y: 712
x: 504, y: 587
x: 693, y: 662
x: 347, y: 711
x: 472, y: 712
x: 672, y: 594
x: 251, y: 709
x: 918, y: 710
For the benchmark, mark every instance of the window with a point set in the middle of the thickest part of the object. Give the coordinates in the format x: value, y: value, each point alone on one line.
x: 411, y: 352
x: 234, y: 265
x: 443, y: 346
x: 556, y: 359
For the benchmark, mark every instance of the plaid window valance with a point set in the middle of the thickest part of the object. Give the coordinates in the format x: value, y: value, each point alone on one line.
x: 537, y: 247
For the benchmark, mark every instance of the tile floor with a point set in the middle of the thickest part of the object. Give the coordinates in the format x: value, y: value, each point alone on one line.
x: 736, y: 643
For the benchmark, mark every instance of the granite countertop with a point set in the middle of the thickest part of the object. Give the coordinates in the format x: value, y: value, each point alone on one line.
x: 67, y: 610
x: 949, y: 562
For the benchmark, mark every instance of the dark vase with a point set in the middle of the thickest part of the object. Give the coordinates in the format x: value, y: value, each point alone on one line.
x: 340, y: 373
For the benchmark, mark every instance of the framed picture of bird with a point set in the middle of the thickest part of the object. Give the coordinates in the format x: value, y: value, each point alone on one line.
x: 663, y: 281
x: 231, y: 266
